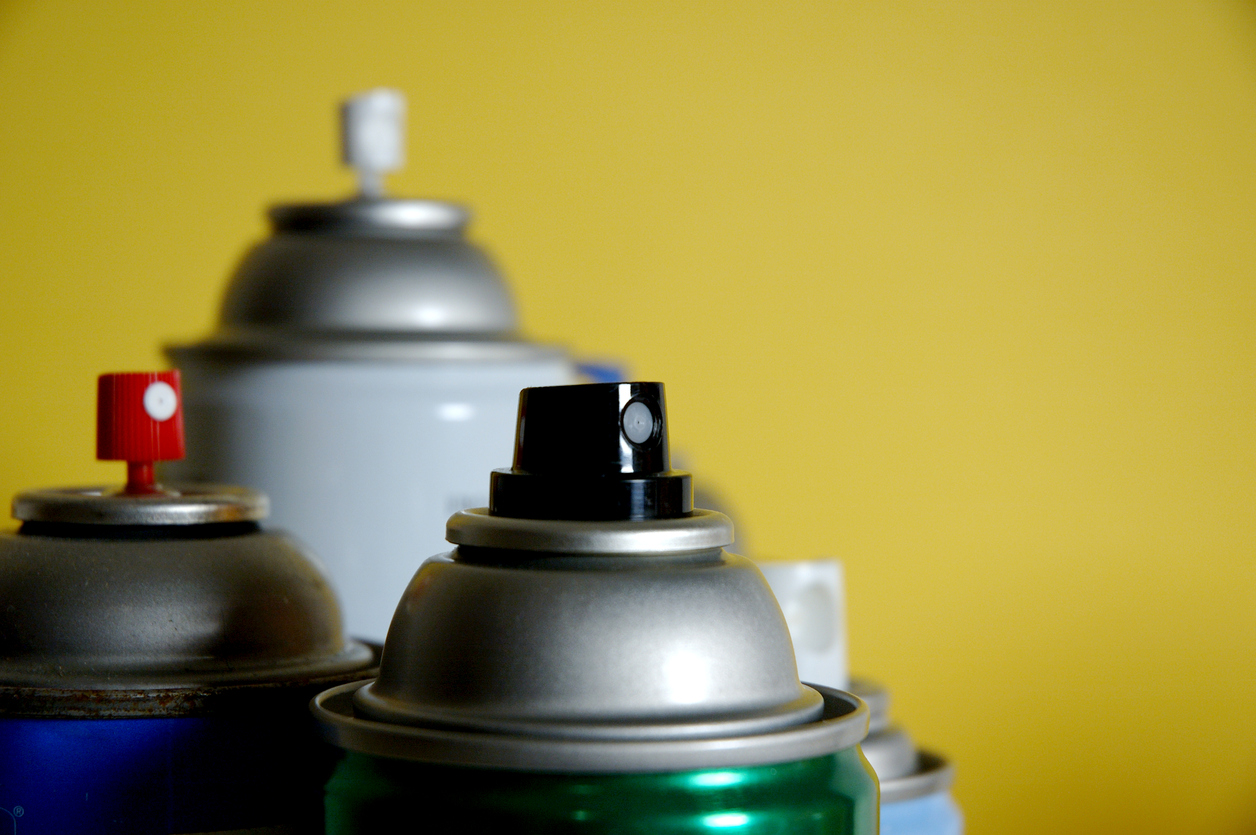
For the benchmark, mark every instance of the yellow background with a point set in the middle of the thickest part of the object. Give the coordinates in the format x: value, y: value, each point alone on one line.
x: 962, y: 293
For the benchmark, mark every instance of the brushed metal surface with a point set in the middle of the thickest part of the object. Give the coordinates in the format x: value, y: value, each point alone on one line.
x: 681, y: 650
x: 84, y: 614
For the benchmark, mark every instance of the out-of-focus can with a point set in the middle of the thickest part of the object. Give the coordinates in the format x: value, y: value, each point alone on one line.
x: 915, y: 784
x: 590, y: 659
x: 364, y: 374
x: 158, y: 650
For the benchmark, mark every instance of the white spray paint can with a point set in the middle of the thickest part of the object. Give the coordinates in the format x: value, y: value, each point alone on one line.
x: 365, y: 374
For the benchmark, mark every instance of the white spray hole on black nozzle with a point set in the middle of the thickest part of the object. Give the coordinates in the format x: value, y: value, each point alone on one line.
x: 639, y: 422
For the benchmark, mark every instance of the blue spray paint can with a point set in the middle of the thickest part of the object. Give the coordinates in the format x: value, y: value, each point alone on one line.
x: 915, y: 784
x: 158, y: 648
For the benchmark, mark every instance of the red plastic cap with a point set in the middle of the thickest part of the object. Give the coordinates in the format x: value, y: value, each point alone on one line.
x: 139, y: 417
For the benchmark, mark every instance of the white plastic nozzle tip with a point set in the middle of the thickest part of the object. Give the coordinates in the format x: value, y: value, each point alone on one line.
x: 373, y: 136
x: 812, y: 594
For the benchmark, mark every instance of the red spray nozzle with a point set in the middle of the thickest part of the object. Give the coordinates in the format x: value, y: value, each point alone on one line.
x: 139, y: 420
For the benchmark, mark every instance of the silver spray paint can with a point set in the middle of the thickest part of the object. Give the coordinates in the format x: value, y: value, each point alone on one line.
x: 589, y: 659
x: 364, y: 374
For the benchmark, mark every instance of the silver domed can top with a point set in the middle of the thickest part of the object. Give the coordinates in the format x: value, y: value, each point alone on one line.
x: 371, y: 277
x: 368, y: 267
x: 690, y: 647
x: 147, y: 599
x: 138, y: 609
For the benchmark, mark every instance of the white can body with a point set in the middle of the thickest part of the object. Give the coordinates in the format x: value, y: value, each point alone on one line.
x: 362, y: 460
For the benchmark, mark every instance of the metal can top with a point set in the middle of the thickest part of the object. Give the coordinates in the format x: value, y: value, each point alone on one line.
x: 373, y: 217
x: 180, y: 504
x: 842, y: 724
x: 149, y: 600
x: 369, y: 278
x: 136, y: 620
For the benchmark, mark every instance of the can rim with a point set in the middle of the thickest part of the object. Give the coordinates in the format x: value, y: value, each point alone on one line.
x: 702, y: 530
x: 933, y: 774
x: 168, y: 699
x: 366, y: 216
x: 843, y: 724
x: 177, y: 504
x: 122, y: 685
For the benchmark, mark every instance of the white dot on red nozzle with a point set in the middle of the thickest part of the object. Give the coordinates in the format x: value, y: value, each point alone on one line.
x: 160, y: 401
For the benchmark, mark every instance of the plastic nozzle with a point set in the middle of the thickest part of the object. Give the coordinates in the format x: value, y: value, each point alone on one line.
x: 139, y: 420
x: 591, y: 452
x: 812, y: 594
x: 373, y: 140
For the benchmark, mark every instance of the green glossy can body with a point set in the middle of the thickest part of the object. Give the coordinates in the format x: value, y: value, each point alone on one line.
x: 835, y: 795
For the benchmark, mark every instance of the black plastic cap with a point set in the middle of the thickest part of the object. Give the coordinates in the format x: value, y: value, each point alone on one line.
x: 591, y: 452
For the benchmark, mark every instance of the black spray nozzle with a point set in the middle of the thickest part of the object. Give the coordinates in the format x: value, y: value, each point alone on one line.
x: 591, y: 452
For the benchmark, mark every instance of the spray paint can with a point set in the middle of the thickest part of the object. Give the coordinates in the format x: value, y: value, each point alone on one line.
x: 915, y: 784
x: 157, y: 649
x: 364, y: 374
x: 589, y: 659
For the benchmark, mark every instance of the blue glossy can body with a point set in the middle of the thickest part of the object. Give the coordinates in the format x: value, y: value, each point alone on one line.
x: 161, y: 775
x: 932, y: 814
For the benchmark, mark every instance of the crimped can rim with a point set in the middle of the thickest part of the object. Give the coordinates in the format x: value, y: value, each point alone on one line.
x: 842, y: 725
x: 933, y: 774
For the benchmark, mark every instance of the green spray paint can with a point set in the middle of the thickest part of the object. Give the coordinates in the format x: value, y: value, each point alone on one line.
x: 589, y: 659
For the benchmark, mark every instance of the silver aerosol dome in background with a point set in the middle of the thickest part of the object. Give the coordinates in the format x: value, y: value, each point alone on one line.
x: 370, y: 277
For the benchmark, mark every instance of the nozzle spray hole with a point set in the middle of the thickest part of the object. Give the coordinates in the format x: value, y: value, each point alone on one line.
x: 639, y: 422
x: 160, y: 401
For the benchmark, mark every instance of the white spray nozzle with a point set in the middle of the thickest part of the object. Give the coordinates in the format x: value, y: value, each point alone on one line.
x: 373, y: 136
x: 812, y: 594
